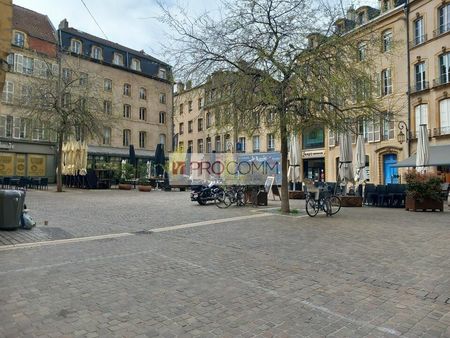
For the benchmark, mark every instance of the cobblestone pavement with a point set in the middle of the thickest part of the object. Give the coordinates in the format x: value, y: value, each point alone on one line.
x: 363, y: 273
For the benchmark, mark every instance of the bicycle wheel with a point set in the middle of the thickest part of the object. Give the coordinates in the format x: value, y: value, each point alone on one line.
x: 311, y: 207
x: 335, y: 202
x: 240, y: 198
x: 222, y: 200
x: 326, y: 206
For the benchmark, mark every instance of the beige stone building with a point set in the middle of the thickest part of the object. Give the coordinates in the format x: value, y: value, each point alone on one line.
x: 5, y: 37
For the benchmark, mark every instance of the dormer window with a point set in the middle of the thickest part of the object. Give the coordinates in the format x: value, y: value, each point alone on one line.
x: 135, y: 64
x: 118, y: 59
x: 385, y: 5
x: 162, y: 73
x: 75, y: 46
x: 19, y: 39
x: 96, y: 53
x: 361, y: 18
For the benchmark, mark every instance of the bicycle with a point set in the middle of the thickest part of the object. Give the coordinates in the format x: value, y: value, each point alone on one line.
x: 327, y: 202
x: 233, y: 195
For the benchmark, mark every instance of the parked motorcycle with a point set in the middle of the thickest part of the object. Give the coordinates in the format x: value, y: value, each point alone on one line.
x: 202, y: 194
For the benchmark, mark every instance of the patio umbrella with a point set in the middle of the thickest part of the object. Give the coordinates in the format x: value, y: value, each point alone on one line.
x: 345, y: 158
x: 149, y: 169
x: 132, y: 156
x: 122, y: 168
x: 160, y: 160
x: 423, y: 149
x: 294, y: 159
x: 84, y: 156
x: 188, y: 161
x: 64, y: 159
x: 360, y: 162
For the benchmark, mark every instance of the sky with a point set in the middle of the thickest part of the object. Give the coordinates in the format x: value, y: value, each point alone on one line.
x: 132, y: 23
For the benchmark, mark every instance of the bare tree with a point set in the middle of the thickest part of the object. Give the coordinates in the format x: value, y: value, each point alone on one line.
x: 65, y: 102
x: 282, y: 61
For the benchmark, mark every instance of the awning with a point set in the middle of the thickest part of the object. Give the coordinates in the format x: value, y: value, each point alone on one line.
x: 119, y: 152
x: 439, y: 155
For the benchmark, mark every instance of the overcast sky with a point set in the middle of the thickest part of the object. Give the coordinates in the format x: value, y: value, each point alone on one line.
x: 129, y: 22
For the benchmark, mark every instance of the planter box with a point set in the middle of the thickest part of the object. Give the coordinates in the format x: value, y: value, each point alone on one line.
x: 296, y: 195
x: 124, y: 186
x: 412, y: 204
x: 144, y: 188
x: 351, y: 201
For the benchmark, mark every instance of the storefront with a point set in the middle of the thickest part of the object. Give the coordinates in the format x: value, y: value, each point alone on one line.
x: 314, y: 164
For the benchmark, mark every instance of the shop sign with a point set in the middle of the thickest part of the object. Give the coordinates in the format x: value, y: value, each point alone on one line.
x: 36, y: 165
x: 313, y: 154
x: 6, y: 164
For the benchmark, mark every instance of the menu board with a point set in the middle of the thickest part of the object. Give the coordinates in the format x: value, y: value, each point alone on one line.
x: 20, y: 165
x: 36, y: 165
x: 6, y: 164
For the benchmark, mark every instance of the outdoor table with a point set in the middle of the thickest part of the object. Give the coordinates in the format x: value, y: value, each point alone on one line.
x: 34, y: 181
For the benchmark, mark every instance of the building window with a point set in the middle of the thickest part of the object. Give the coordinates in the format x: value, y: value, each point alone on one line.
x: 107, y: 107
x: 361, y: 18
x: 127, y: 111
x: 162, y: 117
x: 190, y: 146
x: 135, y: 64
x: 444, y: 19
x: 419, y: 31
x: 96, y: 53
x: 66, y: 100
x: 19, y: 39
x: 256, y: 144
x: 143, y: 93
x: 372, y: 131
x: 126, y: 137
x: 208, y: 120
x: 270, y: 142
x: 386, y: 82
x: 118, y: 59
x: 181, y: 109
x: 162, y: 138
x: 362, y: 49
x: 27, y: 94
x: 208, y: 145
x: 444, y: 111
x: 28, y: 65
x: 388, y: 127
x: 190, y: 106
x: 127, y: 89
x: 106, y: 136
x: 190, y: 126
x: 200, y: 148
x: 386, y: 5
x: 142, y: 139
x: 162, y: 98
x: 181, y: 146
x: 181, y: 128
x: 162, y: 73
x: 75, y: 46
x: 217, y: 118
x: 331, y: 138
x: 8, y: 92
x: 199, y: 124
x: 83, y: 79
x: 420, y: 76
x: 143, y: 114
x: 387, y: 41
x: 218, y: 144
x: 107, y: 85
x: 444, y: 68
x: 242, y: 144
x: 38, y: 131
x: 313, y: 137
x: 66, y: 75
x: 200, y: 103
x: 19, y: 128
x: 421, y: 116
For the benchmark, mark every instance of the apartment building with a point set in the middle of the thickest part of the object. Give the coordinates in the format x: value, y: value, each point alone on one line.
x: 26, y: 147
x: 136, y: 88
x: 5, y: 37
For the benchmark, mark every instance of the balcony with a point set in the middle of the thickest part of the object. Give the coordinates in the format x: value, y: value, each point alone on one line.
x: 415, y: 134
x: 442, y: 29
x: 420, y: 86
x: 418, y: 40
x: 441, y: 131
x: 442, y: 80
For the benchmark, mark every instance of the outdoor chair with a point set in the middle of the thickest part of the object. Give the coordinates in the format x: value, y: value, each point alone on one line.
x: 369, y: 194
x: 382, y: 195
x: 22, y: 183
x: 43, y: 183
x: 396, y: 194
x: 6, y: 184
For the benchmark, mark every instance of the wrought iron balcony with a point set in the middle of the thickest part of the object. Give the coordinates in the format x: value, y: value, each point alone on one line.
x: 442, y: 29
x: 441, y: 80
x: 418, y: 40
x: 420, y: 86
x: 441, y: 131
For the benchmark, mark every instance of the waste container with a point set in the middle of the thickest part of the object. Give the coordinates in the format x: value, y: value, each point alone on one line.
x: 11, y: 208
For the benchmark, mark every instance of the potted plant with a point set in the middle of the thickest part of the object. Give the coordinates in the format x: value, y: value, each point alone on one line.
x: 127, y: 175
x: 423, y: 192
x: 144, y: 185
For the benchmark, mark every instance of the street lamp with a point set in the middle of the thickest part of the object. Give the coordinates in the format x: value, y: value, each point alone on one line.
x: 402, y: 137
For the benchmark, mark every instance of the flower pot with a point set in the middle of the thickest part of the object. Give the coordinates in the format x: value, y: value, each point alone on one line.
x: 124, y: 186
x: 351, y: 201
x: 425, y: 204
x: 144, y: 188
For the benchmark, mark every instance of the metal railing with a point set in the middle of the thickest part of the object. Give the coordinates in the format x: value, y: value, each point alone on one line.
x: 418, y: 40
x: 441, y: 80
x: 419, y: 86
x: 441, y: 131
x: 442, y: 29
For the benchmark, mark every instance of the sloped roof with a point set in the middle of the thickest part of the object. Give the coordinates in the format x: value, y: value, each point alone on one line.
x: 33, y: 23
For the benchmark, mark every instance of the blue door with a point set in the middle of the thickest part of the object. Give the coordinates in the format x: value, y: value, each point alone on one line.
x: 390, y: 172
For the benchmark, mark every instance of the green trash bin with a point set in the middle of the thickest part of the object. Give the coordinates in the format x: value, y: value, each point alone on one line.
x: 11, y: 208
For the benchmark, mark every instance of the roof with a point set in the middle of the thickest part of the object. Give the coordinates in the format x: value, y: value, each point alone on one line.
x: 119, y: 152
x: 96, y: 39
x: 33, y: 23
x: 439, y: 155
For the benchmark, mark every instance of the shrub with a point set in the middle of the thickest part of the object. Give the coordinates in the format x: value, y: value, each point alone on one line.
x: 423, y: 186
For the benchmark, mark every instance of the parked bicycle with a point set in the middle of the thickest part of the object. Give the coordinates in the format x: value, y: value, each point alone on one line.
x: 322, y: 199
x: 232, y: 195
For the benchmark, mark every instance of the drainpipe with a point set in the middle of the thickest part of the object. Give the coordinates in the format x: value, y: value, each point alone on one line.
x: 408, y: 58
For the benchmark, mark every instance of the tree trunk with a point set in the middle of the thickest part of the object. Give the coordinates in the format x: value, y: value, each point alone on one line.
x: 59, y: 163
x: 285, y: 208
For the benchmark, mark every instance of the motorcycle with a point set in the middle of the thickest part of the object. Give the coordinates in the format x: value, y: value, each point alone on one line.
x: 203, y: 194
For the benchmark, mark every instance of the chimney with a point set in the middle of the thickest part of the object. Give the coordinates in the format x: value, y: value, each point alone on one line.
x: 188, y: 84
x: 63, y: 24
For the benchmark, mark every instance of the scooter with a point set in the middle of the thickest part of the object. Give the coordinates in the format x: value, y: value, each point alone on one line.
x: 202, y: 194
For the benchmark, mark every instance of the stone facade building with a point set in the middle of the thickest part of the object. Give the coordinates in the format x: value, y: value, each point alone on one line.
x: 5, y: 37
